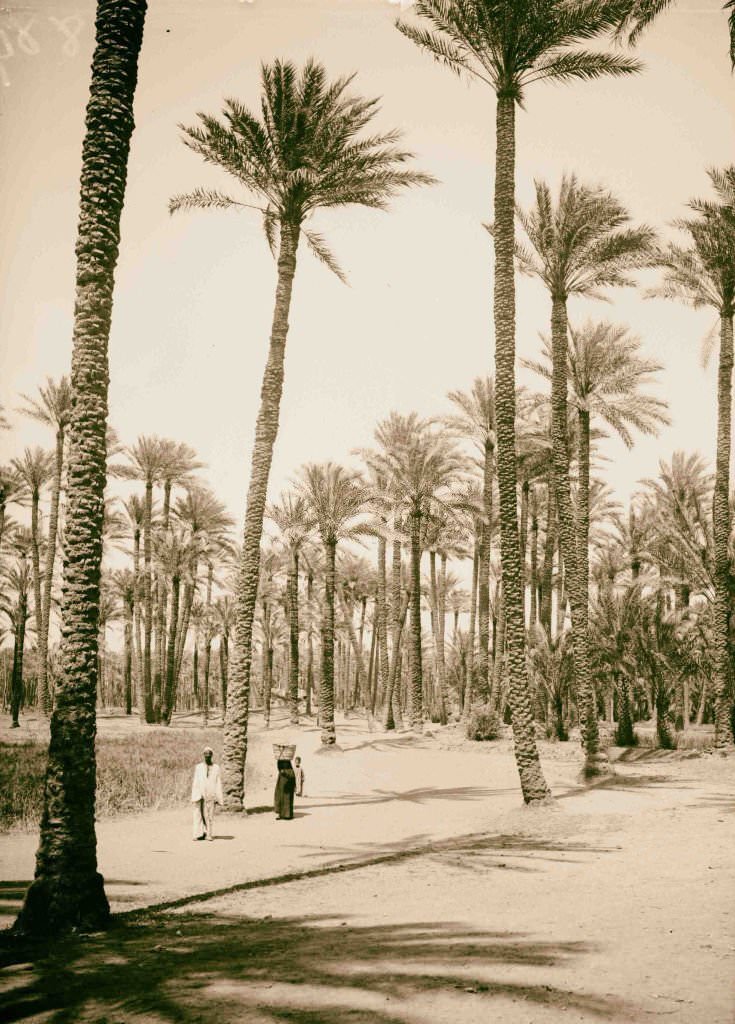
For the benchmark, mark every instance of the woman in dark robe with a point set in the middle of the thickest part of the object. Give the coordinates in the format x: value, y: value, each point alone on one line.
x: 285, y: 789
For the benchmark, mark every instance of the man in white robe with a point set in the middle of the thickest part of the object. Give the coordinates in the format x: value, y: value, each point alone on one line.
x: 206, y: 792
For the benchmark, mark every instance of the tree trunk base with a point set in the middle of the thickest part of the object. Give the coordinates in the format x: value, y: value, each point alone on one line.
x: 596, y: 766
x: 64, y: 903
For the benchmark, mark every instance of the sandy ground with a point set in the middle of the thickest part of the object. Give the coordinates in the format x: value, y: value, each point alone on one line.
x: 614, y: 904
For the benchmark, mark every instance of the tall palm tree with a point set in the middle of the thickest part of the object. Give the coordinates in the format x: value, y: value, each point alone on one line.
x: 303, y: 154
x: 703, y: 275
x: 579, y: 244
x: 606, y: 373
x: 295, y: 524
x: 336, y: 498
x: 35, y: 469
x: 145, y: 463
x: 19, y: 577
x: 423, y: 465
x: 13, y: 489
x: 52, y: 407
x: 476, y: 420
x: 123, y: 585
x: 135, y: 513
x: 508, y: 45
x: 68, y: 892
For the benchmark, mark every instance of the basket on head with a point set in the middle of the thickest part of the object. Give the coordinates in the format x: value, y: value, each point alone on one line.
x: 284, y: 751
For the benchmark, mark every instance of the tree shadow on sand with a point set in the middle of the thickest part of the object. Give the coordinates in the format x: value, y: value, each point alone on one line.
x: 188, y: 967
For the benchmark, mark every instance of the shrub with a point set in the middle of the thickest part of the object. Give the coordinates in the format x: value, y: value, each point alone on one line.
x: 484, y: 723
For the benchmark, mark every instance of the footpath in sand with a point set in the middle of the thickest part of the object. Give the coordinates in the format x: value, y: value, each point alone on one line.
x: 615, y: 904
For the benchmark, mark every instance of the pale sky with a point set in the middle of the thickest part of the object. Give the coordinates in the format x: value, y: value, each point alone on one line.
x: 194, y: 293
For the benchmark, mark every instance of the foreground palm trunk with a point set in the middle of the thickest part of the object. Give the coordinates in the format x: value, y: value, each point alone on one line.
x: 68, y: 892
x: 266, y: 429
x: 571, y: 544
x: 721, y: 528
x: 533, y: 784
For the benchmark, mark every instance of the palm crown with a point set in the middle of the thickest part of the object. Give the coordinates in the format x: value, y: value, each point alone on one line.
x: 510, y: 44
x: 303, y: 152
x: 581, y: 243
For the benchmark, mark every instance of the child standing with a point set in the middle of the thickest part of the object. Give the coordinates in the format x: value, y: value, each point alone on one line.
x: 300, y: 776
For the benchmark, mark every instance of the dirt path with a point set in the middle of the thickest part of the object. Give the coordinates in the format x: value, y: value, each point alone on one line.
x: 616, y: 904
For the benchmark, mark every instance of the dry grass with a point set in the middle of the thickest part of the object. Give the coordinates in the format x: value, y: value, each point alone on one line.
x: 134, y: 773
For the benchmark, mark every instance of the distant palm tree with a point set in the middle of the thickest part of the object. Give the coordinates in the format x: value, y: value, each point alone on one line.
x: 605, y: 375
x: 476, y: 420
x: 123, y: 585
x: 303, y: 154
x: 68, y: 892
x: 145, y: 463
x: 508, y: 45
x: 336, y: 498
x: 13, y: 490
x: 19, y: 577
x: 52, y: 407
x: 423, y: 466
x: 135, y: 513
x: 35, y: 467
x: 703, y: 275
x: 579, y: 244
x: 295, y: 524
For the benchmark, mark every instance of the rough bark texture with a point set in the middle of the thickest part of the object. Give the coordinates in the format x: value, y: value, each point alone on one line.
x: 151, y: 702
x: 417, y: 709
x: 533, y: 784
x: 68, y: 892
x: 381, y: 616
x: 469, y: 691
x: 721, y: 529
x: 484, y: 553
x: 533, y: 580
x: 393, y: 716
x: 235, y: 742
x: 19, y: 639
x: 595, y: 763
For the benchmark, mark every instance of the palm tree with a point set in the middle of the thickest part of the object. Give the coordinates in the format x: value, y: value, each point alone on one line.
x: 302, y: 155
x: 605, y: 375
x: 423, y: 466
x: 53, y: 407
x: 508, y: 45
x: 19, y: 577
x: 136, y: 516
x: 579, y: 245
x: 123, y: 584
x: 145, y: 463
x: 68, y: 892
x: 637, y: 15
x: 13, y: 489
x: 295, y: 524
x: 336, y: 497
x: 476, y: 420
x: 35, y: 470
x: 703, y: 275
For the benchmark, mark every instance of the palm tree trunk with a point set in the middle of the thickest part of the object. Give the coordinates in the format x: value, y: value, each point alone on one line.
x: 293, y: 631
x: 36, y: 563
x: 143, y: 710
x: 533, y: 604
x: 393, y: 699
x: 45, y: 697
x: 469, y: 691
x: 721, y: 529
x: 394, y: 718
x: 381, y: 623
x: 326, y: 690
x: 525, y: 488
x: 417, y: 710
x: 309, y: 642
x: 533, y: 784
x: 128, y: 658
x: 223, y: 658
x: 235, y: 741
x: 152, y: 706
x: 547, y: 572
x: 68, y: 892
x: 595, y: 763
x: 484, y: 556
x: 169, y: 701
x: 19, y: 639
x: 583, y: 507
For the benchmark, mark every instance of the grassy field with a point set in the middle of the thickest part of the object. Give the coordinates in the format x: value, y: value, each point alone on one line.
x: 139, y: 772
